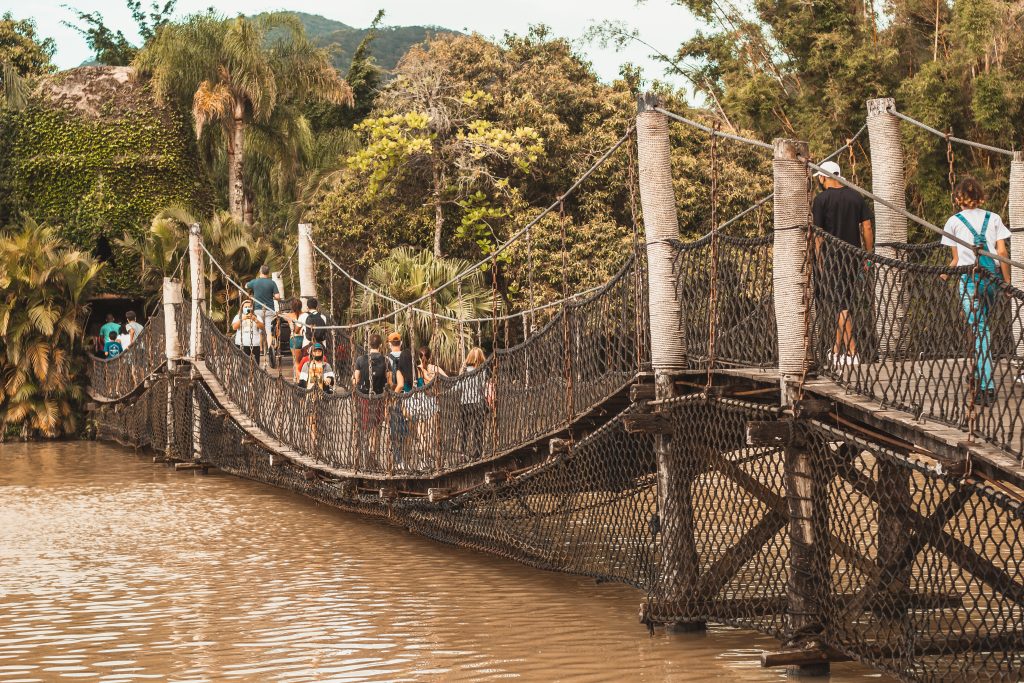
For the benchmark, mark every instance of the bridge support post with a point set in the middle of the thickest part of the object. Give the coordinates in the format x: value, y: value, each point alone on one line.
x: 888, y: 181
x: 195, y: 263
x: 172, y: 298
x: 198, y: 283
x: 680, y: 568
x: 1017, y: 243
x: 791, y: 280
x: 307, y: 269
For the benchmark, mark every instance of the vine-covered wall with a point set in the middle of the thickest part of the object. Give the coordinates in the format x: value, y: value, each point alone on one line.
x: 95, y: 155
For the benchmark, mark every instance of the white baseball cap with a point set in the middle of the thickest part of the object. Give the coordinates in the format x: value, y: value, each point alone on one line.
x: 829, y: 167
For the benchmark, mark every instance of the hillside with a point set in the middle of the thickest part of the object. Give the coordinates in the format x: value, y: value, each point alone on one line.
x: 392, y: 41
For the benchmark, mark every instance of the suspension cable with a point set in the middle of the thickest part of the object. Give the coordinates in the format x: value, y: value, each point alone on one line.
x: 946, y: 136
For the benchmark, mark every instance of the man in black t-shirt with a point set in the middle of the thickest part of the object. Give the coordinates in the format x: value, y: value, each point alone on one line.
x: 842, y: 213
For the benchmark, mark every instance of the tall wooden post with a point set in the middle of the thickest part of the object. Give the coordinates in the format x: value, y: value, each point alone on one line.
x: 679, y: 562
x: 1017, y: 241
x: 789, y: 261
x: 307, y: 268
x: 791, y: 281
x: 195, y: 266
x: 195, y: 263
x: 888, y: 181
x: 172, y: 298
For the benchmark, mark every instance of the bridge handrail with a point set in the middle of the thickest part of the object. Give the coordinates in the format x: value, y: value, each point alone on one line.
x: 115, y: 378
x: 526, y: 390
x: 947, y: 331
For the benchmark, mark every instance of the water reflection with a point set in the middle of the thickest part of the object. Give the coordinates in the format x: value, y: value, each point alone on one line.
x: 115, y: 569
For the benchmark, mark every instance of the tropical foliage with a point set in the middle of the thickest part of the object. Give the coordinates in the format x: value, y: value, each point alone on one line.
x: 44, y: 286
x: 407, y: 274
x: 242, y: 78
x: 163, y: 252
x: 805, y: 70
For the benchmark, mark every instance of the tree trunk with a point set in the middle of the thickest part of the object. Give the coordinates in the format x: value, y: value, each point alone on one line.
x: 236, y: 194
x: 438, y: 209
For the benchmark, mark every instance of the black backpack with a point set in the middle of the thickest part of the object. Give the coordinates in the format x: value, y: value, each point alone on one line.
x: 313, y: 322
x: 377, y: 372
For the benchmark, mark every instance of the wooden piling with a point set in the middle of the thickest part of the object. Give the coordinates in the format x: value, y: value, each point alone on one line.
x: 680, y: 568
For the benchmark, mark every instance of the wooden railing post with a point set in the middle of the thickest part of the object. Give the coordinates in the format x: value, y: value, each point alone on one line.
x: 1016, y: 225
x: 790, y: 278
x: 172, y: 298
x: 198, y: 282
x: 680, y: 566
x: 307, y: 268
x: 888, y: 181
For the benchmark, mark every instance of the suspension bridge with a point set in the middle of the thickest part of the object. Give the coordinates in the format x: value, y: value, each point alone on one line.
x: 682, y: 428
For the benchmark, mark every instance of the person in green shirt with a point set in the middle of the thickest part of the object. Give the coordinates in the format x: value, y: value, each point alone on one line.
x: 109, y: 326
x: 264, y: 293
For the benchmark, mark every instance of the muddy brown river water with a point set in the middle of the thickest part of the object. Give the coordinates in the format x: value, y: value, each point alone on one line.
x: 116, y: 569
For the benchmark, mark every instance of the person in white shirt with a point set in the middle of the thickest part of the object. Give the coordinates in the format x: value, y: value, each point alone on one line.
x: 132, y: 326
x: 248, y: 327
x: 985, y: 231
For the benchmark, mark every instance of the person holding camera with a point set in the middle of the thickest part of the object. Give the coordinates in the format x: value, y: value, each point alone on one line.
x: 248, y: 327
x: 317, y: 372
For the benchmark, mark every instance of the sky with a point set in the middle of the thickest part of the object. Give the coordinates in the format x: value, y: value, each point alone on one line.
x: 661, y: 23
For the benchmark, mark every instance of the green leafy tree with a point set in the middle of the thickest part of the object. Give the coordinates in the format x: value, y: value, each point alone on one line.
x: 22, y: 56
x: 406, y: 274
x: 112, y: 47
x: 22, y: 48
x: 430, y: 126
x: 44, y: 289
x: 238, y: 73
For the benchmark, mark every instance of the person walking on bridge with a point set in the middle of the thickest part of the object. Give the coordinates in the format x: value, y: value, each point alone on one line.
x: 248, y: 327
x: 843, y: 213
x: 986, y: 231
x: 264, y: 293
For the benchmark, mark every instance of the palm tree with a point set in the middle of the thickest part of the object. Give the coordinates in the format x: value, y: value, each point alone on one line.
x: 236, y: 73
x: 44, y: 285
x: 237, y: 247
x: 407, y: 274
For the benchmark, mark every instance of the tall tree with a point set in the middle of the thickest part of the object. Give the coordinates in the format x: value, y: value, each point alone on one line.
x: 22, y: 56
x: 44, y: 289
x: 235, y: 73
x: 112, y: 47
x: 431, y: 124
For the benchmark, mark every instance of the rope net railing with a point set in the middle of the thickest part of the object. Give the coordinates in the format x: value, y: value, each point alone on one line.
x: 587, y: 511
x: 931, y: 340
x: 912, y: 572
x: 590, y: 350
x: 114, y: 378
x: 743, y: 309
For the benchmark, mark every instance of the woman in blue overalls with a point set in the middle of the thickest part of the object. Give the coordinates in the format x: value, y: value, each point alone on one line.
x: 985, y: 231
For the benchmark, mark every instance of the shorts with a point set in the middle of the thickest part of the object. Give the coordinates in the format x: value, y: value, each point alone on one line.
x: 296, y: 343
x: 835, y: 288
x: 371, y: 413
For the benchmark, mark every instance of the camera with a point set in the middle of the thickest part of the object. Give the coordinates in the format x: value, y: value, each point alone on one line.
x: 247, y: 310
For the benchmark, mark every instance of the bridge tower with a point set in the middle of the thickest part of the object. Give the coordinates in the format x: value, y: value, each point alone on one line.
x: 888, y: 181
x: 680, y: 568
x: 307, y: 268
